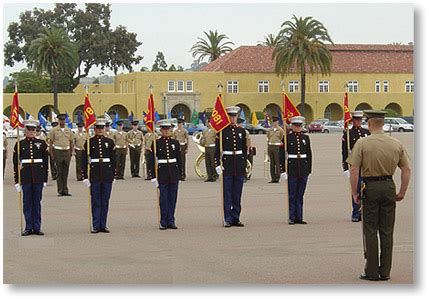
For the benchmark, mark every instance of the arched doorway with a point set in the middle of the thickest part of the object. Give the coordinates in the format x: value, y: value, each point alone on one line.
x: 181, y: 111
x: 309, y: 114
x: 47, y: 111
x: 120, y: 109
x: 273, y: 110
x: 395, y: 107
x: 21, y: 111
x: 76, y: 111
x: 333, y: 112
x: 363, y: 106
x: 247, y: 113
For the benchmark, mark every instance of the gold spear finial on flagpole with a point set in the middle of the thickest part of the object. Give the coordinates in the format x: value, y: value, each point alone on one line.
x: 220, y: 87
x: 150, y: 87
x: 282, y: 84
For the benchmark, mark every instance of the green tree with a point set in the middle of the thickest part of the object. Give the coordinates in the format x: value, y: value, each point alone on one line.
x: 55, y: 54
x: 180, y: 68
x: 270, y: 40
x: 96, y: 81
x: 172, y: 68
x: 28, y: 82
x: 99, y: 44
x: 159, y: 65
x: 302, y: 48
x: 212, y: 47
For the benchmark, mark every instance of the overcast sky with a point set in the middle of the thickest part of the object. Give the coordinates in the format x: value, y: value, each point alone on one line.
x: 174, y: 28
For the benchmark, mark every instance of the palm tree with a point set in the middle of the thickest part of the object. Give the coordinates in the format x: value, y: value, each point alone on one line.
x: 213, y: 47
x: 270, y: 40
x: 55, y: 54
x: 302, y: 48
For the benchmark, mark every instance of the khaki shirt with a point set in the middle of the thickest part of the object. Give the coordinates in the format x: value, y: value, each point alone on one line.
x: 4, y: 142
x: 275, y: 136
x: 208, y: 137
x: 135, y: 138
x: 149, y: 138
x: 40, y: 135
x: 61, y: 137
x: 248, y: 140
x: 181, y: 135
x: 79, y: 140
x: 378, y: 155
x: 120, y: 139
x: 109, y: 134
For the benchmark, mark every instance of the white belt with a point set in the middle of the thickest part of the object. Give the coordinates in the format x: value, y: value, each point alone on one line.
x: 78, y: 149
x: 182, y: 143
x: 98, y: 160
x: 27, y: 161
x: 121, y: 146
x: 274, y: 143
x: 165, y: 161
x: 211, y: 145
x: 232, y: 152
x: 61, y: 148
x: 297, y: 156
x: 135, y: 144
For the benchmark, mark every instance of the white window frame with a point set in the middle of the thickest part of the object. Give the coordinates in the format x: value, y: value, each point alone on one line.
x: 263, y: 86
x: 324, y: 86
x: 191, y: 84
x: 409, y: 86
x: 378, y: 86
x: 294, y: 86
x: 180, y: 82
x: 385, y: 86
x: 170, y: 84
x: 353, y: 86
x: 232, y: 86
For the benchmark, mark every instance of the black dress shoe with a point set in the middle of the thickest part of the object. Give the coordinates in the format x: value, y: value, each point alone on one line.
x: 94, y: 231
x: 300, y: 222
x: 239, y: 224
x: 26, y: 232
x: 67, y: 194
x: 384, y: 278
x: 227, y: 225
x: 271, y: 182
x: 291, y: 222
x: 147, y: 179
x: 38, y: 232
x: 172, y: 226
x: 363, y: 276
x: 208, y: 180
x: 105, y: 230
x: 162, y: 227
x: 60, y: 194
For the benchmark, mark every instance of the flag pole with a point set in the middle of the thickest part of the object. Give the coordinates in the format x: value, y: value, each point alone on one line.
x: 21, y: 212
x: 88, y: 169
x: 285, y: 145
x: 155, y: 159
x: 220, y: 86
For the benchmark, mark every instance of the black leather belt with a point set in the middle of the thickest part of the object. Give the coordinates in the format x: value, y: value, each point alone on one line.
x: 376, y: 178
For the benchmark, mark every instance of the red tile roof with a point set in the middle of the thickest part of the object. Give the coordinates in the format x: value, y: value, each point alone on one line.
x: 346, y: 58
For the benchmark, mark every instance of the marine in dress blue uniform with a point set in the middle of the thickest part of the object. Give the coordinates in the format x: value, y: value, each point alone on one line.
x: 33, y: 158
x: 355, y: 133
x: 299, y: 164
x: 169, y: 161
x: 233, y: 155
x: 102, y: 159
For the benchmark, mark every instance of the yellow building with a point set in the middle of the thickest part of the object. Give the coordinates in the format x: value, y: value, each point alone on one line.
x: 378, y: 77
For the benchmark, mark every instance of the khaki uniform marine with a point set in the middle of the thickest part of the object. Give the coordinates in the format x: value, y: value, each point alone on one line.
x: 52, y: 166
x: 275, y: 138
x: 208, y: 140
x: 61, y: 140
x: 377, y: 157
x: 135, y: 145
x: 181, y: 135
x: 120, y: 139
x: 149, y: 138
x: 79, y: 140
x: 109, y: 134
x: 5, y: 144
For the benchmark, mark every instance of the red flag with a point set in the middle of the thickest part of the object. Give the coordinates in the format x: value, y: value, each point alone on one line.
x: 88, y: 112
x: 347, y: 116
x: 219, y: 119
x: 289, y: 109
x: 150, y: 115
x: 14, y: 111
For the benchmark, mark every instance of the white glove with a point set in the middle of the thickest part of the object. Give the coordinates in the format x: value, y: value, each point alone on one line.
x: 155, y: 183
x: 18, y: 187
x: 86, y: 182
x: 132, y: 145
x: 347, y: 173
x: 283, y: 176
x: 219, y: 170
x: 44, y: 184
x: 309, y: 175
x: 114, y: 181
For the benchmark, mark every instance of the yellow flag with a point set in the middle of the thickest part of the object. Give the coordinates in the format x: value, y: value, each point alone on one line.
x: 254, y: 119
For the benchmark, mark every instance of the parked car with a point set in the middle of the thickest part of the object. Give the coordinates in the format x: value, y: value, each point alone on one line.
x: 260, y: 128
x: 333, y: 127
x: 317, y: 125
x: 397, y: 124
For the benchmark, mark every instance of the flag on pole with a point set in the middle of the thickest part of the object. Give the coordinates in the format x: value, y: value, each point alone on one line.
x: 347, y: 116
x: 254, y: 119
x: 169, y: 115
x: 144, y: 117
x: 79, y: 117
x: 115, y: 120
x: 88, y: 113
x: 266, y: 120
x: 150, y: 115
x: 242, y: 116
x: 42, y: 120
x: 203, y: 117
x: 131, y: 116
x: 53, y: 116
x: 219, y: 119
x: 28, y: 116
x: 14, y: 111
x: 5, y: 119
x: 194, y: 117
x: 279, y: 115
x: 157, y: 117
x: 181, y: 115
x: 68, y: 121
x: 289, y: 109
x: 107, y: 117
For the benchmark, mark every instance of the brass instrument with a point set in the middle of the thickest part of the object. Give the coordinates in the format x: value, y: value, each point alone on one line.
x: 200, y: 167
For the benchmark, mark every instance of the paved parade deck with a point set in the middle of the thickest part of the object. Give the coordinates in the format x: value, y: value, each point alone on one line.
x: 266, y: 251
